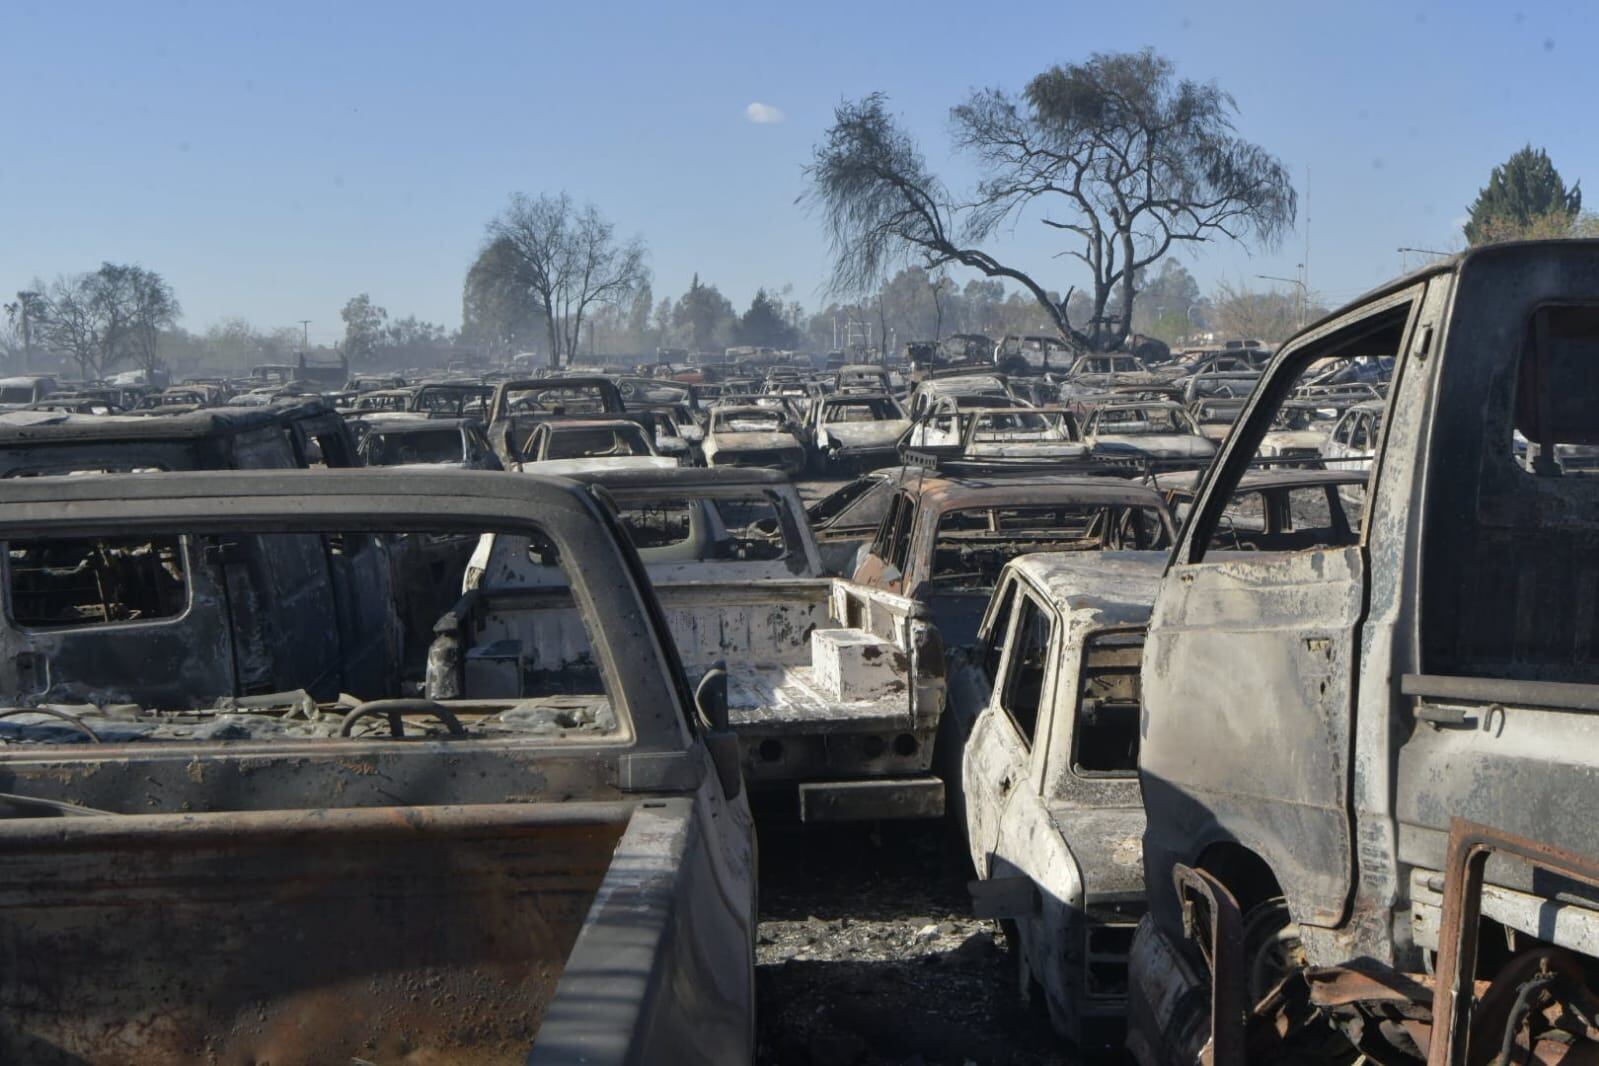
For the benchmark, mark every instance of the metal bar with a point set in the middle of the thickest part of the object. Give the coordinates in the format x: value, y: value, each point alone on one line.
x: 1557, y: 695
x: 196, y: 830
x: 1225, y: 955
x: 1470, y: 846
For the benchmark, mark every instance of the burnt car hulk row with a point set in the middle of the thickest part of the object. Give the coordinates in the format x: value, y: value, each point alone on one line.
x: 1289, y: 758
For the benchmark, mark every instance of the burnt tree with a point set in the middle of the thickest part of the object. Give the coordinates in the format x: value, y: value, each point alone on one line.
x: 882, y: 208
x: 1129, y: 160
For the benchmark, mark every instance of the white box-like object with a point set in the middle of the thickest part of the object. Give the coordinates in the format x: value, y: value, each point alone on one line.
x: 494, y: 671
x: 848, y: 664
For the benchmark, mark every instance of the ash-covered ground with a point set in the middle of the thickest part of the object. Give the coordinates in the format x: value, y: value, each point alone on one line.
x: 868, y: 955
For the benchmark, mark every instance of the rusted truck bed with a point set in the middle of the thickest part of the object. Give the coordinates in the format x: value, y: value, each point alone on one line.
x: 382, y: 935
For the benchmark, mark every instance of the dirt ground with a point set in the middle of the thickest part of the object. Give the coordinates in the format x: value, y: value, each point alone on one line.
x: 868, y: 955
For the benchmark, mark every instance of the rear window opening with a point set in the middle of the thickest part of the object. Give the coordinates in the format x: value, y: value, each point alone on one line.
x: 657, y: 525
x: 873, y: 410
x: 749, y: 422
x: 94, y: 582
x: 401, y: 449
x: 707, y: 529
x: 596, y: 443
x: 1557, y: 386
x: 240, y: 636
x: 973, y: 545
x: 1139, y: 421
x: 1110, y: 707
x: 559, y: 400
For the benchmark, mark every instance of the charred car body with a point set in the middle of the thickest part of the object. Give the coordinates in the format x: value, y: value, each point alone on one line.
x: 753, y: 436
x: 1050, y: 797
x: 853, y: 431
x: 584, y: 854
x: 1436, y: 718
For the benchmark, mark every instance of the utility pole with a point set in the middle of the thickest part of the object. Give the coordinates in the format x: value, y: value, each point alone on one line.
x: 1304, y: 268
x: 305, y: 336
x: 26, y: 300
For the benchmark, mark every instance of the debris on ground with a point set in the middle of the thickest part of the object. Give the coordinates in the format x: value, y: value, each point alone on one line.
x: 867, y: 955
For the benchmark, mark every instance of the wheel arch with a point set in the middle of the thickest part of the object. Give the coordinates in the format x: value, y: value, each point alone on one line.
x: 1247, y: 876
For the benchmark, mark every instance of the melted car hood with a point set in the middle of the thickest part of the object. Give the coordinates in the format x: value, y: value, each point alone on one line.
x: 1034, y: 448
x: 565, y: 467
x: 751, y: 441
x: 1156, y: 445
x: 867, y: 434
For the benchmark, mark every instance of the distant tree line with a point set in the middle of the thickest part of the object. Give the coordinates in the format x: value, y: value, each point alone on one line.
x: 98, y: 320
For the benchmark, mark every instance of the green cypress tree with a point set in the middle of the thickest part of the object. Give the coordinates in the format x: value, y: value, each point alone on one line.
x: 1523, y: 196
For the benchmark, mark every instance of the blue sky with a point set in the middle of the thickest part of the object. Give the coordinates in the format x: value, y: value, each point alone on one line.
x: 273, y: 160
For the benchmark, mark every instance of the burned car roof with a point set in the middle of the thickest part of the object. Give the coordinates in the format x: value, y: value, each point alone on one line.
x: 184, y: 425
x: 945, y: 491
x: 569, y: 423
x: 685, y: 477
x: 444, y: 496
x: 1106, y: 588
x: 1269, y: 478
x: 391, y: 423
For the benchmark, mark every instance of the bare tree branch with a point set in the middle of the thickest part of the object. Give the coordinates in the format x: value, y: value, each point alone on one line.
x: 882, y: 209
x: 1139, y: 160
x: 565, y: 259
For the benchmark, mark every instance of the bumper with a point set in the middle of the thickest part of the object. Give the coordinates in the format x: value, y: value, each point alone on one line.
x: 790, y: 463
x: 863, y: 801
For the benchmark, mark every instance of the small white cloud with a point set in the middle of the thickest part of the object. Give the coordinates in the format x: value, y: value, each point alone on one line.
x: 763, y: 114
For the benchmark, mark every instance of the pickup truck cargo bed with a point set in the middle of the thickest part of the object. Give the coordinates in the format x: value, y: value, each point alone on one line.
x: 773, y: 699
x: 420, y: 934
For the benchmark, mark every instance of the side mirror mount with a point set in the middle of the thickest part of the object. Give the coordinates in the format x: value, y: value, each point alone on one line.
x: 710, y: 700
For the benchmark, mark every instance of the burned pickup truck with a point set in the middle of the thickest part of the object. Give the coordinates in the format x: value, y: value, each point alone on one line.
x: 522, y: 403
x: 940, y: 550
x: 197, y: 871
x: 1368, y: 766
x: 832, y: 725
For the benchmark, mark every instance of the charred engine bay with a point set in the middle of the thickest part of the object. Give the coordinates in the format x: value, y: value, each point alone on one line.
x: 867, y: 954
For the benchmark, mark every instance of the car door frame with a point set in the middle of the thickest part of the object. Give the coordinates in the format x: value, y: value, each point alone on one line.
x: 1222, y: 638
x: 996, y: 744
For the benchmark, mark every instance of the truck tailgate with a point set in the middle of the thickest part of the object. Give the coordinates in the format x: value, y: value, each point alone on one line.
x: 386, y: 935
